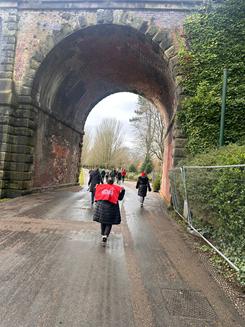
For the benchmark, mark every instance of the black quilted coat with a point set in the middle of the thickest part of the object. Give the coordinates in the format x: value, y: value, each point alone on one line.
x: 94, y: 178
x: 108, y: 213
x: 142, y: 185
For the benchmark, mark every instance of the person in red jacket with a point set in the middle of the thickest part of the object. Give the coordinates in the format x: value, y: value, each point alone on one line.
x: 123, y: 175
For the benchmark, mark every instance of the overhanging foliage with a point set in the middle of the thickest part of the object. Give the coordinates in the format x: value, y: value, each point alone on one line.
x: 215, y: 38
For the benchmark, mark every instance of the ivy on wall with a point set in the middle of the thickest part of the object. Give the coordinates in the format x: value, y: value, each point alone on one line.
x: 215, y: 38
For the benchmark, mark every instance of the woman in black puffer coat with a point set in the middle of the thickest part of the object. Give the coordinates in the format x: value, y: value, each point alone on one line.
x: 142, y: 185
x: 94, y: 179
x: 108, y: 214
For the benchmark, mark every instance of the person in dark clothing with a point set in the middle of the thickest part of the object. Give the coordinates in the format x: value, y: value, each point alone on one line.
x: 119, y: 177
x: 107, y: 213
x: 103, y: 175
x: 94, y: 178
x: 142, y: 185
x: 113, y: 174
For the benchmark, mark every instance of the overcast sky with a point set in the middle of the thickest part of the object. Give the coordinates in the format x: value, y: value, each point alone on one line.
x: 120, y: 106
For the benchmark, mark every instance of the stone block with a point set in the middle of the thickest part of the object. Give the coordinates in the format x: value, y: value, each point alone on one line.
x: 180, y: 143
x: 16, y: 185
x: 6, y: 74
x: 108, y: 16
x: 174, y: 60
x: 3, y: 193
x: 5, y: 165
x: 27, y: 81
x: 179, y: 134
x: 6, y: 85
x: 4, y: 174
x: 3, y: 184
x: 180, y: 152
x: 152, y: 31
x: 16, y: 175
x: 26, y: 90
x: 6, y: 60
x: 6, y: 129
x: 5, y: 156
x: 5, y: 147
x: 9, y: 40
x: 26, y: 185
x: 8, y: 47
x: 21, y: 158
x: 166, y: 44
x: 23, y: 131
x: 137, y: 21
x: 11, y: 193
x: 12, y: 19
x: 19, y: 148
x: 144, y: 26
x: 12, y: 26
x: 8, y: 68
x: 160, y: 36
x: 15, y: 166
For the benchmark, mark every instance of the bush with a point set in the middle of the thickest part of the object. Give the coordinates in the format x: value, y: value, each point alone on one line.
x: 148, y: 168
x: 145, y: 163
x: 132, y: 168
x: 216, y: 35
x: 157, y: 184
x: 217, y: 198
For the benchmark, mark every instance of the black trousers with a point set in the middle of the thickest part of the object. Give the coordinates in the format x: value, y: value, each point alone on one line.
x: 105, y: 229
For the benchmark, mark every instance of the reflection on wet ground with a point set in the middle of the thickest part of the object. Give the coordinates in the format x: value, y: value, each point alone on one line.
x: 55, y: 272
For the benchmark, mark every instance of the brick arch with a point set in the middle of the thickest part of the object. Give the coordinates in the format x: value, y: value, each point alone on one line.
x: 62, y: 95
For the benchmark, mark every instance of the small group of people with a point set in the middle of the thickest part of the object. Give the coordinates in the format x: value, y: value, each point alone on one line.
x: 107, y: 211
x: 114, y: 175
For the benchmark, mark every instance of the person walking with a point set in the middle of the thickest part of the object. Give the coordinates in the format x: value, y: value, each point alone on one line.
x: 107, y: 211
x: 107, y: 173
x: 113, y: 174
x: 94, y: 178
x: 119, y: 177
x: 123, y: 175
x: 103, y: 175
x: 142, y: 185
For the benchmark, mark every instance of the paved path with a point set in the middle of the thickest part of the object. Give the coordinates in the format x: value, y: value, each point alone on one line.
x: 55, y: 272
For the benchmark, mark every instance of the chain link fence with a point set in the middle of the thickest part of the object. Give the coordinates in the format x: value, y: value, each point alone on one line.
x: 212, y: 200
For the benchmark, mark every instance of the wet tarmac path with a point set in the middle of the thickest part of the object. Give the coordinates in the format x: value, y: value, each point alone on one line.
x: 55, y: 272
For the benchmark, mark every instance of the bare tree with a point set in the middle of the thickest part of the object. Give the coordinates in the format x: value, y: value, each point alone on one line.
x: 108, y: 143
x: 148, y: 129
x: 87, y: 142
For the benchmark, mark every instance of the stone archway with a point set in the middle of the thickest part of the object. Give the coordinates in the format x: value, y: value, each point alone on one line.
x: 77, y: 66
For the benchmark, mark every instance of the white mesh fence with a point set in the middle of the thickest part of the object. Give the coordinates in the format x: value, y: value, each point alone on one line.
x: 212, y: 200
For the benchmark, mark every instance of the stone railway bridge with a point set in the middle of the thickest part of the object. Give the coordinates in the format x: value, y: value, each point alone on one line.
x: 60, y: 58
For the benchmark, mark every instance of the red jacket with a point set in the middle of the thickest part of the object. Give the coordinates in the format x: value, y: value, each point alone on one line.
x: 124, y: 173
x: 107, y: 192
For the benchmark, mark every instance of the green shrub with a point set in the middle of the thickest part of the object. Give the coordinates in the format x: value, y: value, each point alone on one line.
x: 157, y: 184
x: 132, y: 168
x: 216, y: 38
x: 217, y: 198
x: 148, y: 168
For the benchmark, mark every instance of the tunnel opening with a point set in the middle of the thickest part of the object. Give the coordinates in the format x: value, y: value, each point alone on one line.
x: 79, y: 72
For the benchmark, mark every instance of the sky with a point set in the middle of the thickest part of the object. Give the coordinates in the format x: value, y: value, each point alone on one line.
x: 120, y: 106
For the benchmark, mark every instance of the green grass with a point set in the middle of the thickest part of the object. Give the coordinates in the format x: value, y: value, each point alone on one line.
x: 3, y: 200
x: 81, y: 180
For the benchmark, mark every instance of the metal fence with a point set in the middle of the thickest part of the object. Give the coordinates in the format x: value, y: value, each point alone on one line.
x: 212, y: 200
